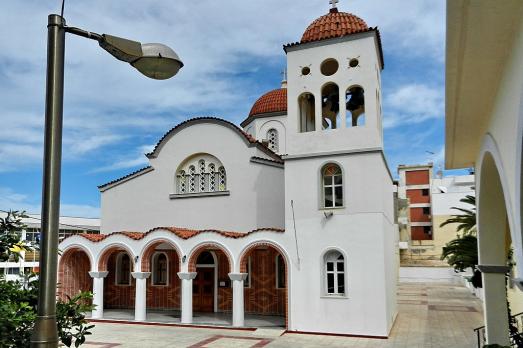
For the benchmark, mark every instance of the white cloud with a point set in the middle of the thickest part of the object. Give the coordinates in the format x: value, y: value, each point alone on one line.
x: 220, y: 42
x: 137, y: 159
x: 411, y: 104
x: 11, y: 200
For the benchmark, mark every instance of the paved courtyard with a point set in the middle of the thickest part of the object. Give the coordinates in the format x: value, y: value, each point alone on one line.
x: 430, y: 315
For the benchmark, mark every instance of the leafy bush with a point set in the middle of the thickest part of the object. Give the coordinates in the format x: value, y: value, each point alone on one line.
x: 18, y: 299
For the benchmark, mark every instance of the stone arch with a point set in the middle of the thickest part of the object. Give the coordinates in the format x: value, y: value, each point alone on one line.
x: 493, y: 224
x: 149, y: 249
x: 197, y: 250
x: 109, y: 250
x: 243, y: 260
x: 73, y: 272
x: 490, y: 167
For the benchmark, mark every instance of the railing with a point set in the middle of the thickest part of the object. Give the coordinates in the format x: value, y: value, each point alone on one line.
x: 516, y: 332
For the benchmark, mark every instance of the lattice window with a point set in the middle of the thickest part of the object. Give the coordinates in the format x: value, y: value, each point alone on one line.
x: 332, y: 186
x: 200, y: 174
x: 334, y: 273
x: 222, y: 179
x: 212, y: 177
x: 272, y: 138
x: 201, y: 184
x: 192, y: 179
x: 182, y: 185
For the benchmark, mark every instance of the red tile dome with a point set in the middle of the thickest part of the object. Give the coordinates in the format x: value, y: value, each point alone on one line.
x: 333, y: 24
x: 273, y: 101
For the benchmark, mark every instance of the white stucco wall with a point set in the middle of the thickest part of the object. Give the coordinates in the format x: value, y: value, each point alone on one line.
x: 503, y: 139
x: 256, y: 190
x: 362, y: 231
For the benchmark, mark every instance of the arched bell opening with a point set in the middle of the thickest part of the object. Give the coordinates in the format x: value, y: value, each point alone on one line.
x: 330, y: 106
x: 355, y: 106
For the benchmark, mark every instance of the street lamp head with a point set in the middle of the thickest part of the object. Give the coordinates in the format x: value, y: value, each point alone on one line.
x: 158, y: 61
x: 154, y: 60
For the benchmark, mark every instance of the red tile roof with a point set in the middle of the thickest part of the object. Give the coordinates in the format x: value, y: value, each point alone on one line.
x: 273, y: 101
x: 334, y: 24
x: 182, y: 233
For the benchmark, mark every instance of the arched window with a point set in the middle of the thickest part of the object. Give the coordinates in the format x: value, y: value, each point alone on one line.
x: 200, y: 173
x: 334, y: 273
x: 307, y: 113
x: 355, y: 103
x: 330, y: 106
x: 280, y: 272
x: 332, y: 182
x: 160, y: 269
x: 272, y: 138
x: 123, y: 269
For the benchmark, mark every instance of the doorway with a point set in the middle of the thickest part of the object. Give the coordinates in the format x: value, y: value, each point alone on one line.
x: 204, y: 285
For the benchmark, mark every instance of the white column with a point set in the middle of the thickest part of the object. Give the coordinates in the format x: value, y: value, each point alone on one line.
x: 495, y: 304
x: 237, y: 298
x: 343, y: 110
x: 318, y: 121
x: 140, y: 302
x: 186, y: 278
x: 98, y: 294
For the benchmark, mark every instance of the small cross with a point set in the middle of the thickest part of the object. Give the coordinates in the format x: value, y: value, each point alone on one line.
x: 333, y: 3
x: 284, y: 74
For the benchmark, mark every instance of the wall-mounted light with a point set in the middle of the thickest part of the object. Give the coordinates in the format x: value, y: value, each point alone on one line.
x: 328, y: 214
x: 184, y: 257
x: 136, y: 259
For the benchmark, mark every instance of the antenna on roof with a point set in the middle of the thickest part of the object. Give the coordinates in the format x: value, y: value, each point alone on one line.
x: 284, y: 78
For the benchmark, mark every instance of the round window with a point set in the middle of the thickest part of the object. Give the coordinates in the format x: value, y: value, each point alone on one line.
x: 329, y: 67
x: 354, y: 63
x: 305, y: 70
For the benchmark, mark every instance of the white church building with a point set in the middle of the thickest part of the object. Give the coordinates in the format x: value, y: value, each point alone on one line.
x: 289, y: 216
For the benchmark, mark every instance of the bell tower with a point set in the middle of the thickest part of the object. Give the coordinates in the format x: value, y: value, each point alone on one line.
x: 334, y: 87
x: 338, y: 188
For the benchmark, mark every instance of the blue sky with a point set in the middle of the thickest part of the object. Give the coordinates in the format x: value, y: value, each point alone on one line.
x: 233, y: 54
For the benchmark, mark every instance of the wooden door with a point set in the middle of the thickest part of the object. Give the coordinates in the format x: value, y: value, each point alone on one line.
x: 203, y: 290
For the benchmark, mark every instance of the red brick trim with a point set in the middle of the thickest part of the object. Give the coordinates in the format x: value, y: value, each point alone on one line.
x: 243, y: 267
x: 127, y: 322
x: 196, y: 251
x: 106, y: 253
x: 261, y: 342
x: 149, y: 250
x: 334, y: 334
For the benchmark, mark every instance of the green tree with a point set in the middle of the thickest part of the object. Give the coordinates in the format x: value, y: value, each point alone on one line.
x: 467, y: 219
x: 18, y: 300
x: 462, y: 252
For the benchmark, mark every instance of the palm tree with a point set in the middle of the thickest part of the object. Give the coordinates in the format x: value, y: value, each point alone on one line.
x: 467, y: 220
x: 462, y: 252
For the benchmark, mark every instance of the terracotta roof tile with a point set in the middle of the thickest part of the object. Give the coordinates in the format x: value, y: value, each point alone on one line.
x: 273, y: 101
x: 333, y: 24
x: 182, y: 233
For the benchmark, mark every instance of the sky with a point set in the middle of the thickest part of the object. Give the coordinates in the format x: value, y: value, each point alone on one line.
x: 233, y: 54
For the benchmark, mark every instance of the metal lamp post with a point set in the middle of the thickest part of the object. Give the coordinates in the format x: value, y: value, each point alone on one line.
x: 156, y: 61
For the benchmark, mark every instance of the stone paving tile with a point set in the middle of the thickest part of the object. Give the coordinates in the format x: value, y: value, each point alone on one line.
x: 430, y: 315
